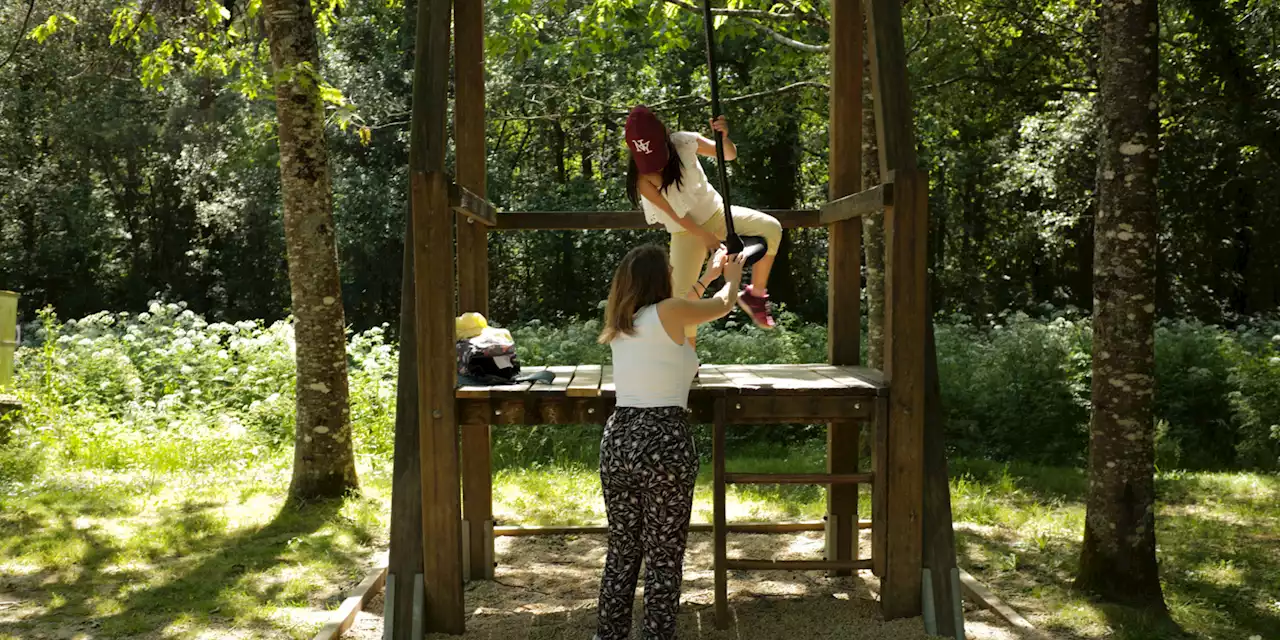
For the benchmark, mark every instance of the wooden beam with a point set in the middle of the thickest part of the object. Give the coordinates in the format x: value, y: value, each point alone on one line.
x: 475, y: 216
x: 697, y: 527
x: 433, y: 264
x: 799, y: 565
x: 797, y: 408
x: 906, y: 317
x: 895, y: 128
x: 477, y: 495
x: 879, y: 513
x: 858, y: 204
x: 404, y: 556
x: 351, y: 606
x: 437, y: 420
x: 939, y: 534
x: 798, y: 478
x: 583, y: 220
x: 720, y: 550
x: 470, y: 206
x: 844, y: 260
x: 988, y: 600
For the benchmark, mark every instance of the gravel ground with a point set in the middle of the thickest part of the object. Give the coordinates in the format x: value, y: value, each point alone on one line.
x: 545, y: 589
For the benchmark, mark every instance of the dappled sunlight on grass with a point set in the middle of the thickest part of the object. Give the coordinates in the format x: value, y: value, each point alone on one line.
x: 564, y: 495
x: 210, y: 555
x: 178, y: 557
x: 1019, y: 530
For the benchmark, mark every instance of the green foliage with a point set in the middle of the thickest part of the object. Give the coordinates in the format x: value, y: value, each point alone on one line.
x: 166, y: 389
x: 113, y: 193
x: 1017, y: 389
x: 1255, y: 406
x: 1194, y: 365
x: 161, y: 389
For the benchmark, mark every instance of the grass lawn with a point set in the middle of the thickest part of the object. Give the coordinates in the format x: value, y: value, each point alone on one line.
x: 209, y: 554
x: 109, y: 555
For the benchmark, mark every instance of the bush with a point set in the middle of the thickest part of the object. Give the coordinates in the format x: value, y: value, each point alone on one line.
x: 1016, y: 390
x: 1255, y: 407
x: 1193, y: 382
x: 166, y: 390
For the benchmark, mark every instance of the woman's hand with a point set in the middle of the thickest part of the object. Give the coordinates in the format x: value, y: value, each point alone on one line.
x: 715, y: 265
x: 722, y: 125
x: 708, y: 147
x: 733, y: 270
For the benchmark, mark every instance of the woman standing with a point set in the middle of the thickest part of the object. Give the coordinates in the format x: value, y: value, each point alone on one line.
x: 666, y: 180
x: 647, y: 459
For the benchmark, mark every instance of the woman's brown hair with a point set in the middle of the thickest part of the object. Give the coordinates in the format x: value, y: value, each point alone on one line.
x: 643, y: 278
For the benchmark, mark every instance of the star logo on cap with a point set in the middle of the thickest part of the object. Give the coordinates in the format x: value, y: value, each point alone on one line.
x: 642, y: 146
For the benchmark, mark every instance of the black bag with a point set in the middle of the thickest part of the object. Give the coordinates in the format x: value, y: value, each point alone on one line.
x: 490, y: 363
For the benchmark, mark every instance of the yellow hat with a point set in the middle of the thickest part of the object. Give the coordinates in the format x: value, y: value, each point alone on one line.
x: 469, y: 325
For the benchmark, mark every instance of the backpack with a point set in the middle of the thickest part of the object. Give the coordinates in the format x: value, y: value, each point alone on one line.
x: 489, y: 357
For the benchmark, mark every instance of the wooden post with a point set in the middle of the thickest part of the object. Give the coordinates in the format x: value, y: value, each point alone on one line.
x: 8, y: 335
x: 844, y: 259
x: 404, y: 558
x: 879, y: 512
x: 473, y: 266
x: 939, y: 536
x: 895, y: 132
x: 905, y: 322
x: 719, y: 522
x: 433, y: 256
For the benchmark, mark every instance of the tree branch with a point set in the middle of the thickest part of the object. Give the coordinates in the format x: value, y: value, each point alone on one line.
x: 928, y: 26
x: 756, y: 14
x: 670, y: 103
x: 781, y: 39
x: 22, y: 31
x: 754, y: 21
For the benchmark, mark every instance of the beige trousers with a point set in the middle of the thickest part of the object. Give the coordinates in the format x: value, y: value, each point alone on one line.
x: 688, y: 254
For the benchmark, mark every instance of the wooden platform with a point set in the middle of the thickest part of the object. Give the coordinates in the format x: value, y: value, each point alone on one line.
x: 584, y: 394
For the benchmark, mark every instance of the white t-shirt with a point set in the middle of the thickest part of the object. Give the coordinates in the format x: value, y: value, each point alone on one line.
x: 695, y: 198
x: 649, y: 370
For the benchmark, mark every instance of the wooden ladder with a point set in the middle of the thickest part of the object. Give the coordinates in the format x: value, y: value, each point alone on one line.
x: 721, y: 529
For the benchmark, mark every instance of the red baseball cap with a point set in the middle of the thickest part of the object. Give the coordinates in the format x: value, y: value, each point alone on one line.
x: 647, y: 140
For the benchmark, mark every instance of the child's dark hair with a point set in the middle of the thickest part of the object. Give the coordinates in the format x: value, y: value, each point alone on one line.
x: 672, y: 173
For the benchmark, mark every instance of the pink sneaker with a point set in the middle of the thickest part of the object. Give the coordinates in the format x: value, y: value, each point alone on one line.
x: 757, y: 307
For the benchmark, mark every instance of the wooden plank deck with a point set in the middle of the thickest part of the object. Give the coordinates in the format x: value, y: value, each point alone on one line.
x: 593, y: 380
x: 770, y: 393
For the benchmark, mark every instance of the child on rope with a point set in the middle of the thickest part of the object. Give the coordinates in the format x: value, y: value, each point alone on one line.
x: 667, y: 181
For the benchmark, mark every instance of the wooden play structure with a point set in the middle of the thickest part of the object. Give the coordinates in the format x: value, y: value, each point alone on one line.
x: 442, y: 522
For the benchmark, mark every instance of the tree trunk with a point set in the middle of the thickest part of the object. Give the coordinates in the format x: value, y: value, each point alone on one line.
x: 585, y: 137
x: 323, y: 460
x: 872, y: 226
x: 1118, y: 559
x: 557, y: 147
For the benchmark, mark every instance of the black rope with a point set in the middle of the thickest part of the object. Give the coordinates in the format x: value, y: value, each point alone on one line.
x: 753, y: 247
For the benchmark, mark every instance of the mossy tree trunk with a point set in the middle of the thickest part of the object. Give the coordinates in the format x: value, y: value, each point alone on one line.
x: 323, y: 462
x: 872, y: 225
x: 1118, y: 559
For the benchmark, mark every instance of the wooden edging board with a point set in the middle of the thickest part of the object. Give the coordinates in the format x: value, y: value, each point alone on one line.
x: 346, y: 613
x: 988, y: 600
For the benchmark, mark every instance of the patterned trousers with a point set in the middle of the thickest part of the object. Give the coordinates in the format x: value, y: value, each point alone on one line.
x: 648, y: 466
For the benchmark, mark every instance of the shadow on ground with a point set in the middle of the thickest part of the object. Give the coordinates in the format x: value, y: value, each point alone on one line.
x: 183, y: 568
x: 545, y: 589
x: 1219, y: 554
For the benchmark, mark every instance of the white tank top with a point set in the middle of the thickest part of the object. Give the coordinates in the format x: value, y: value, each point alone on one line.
x: 695, y: 198
x: 649, y: 370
